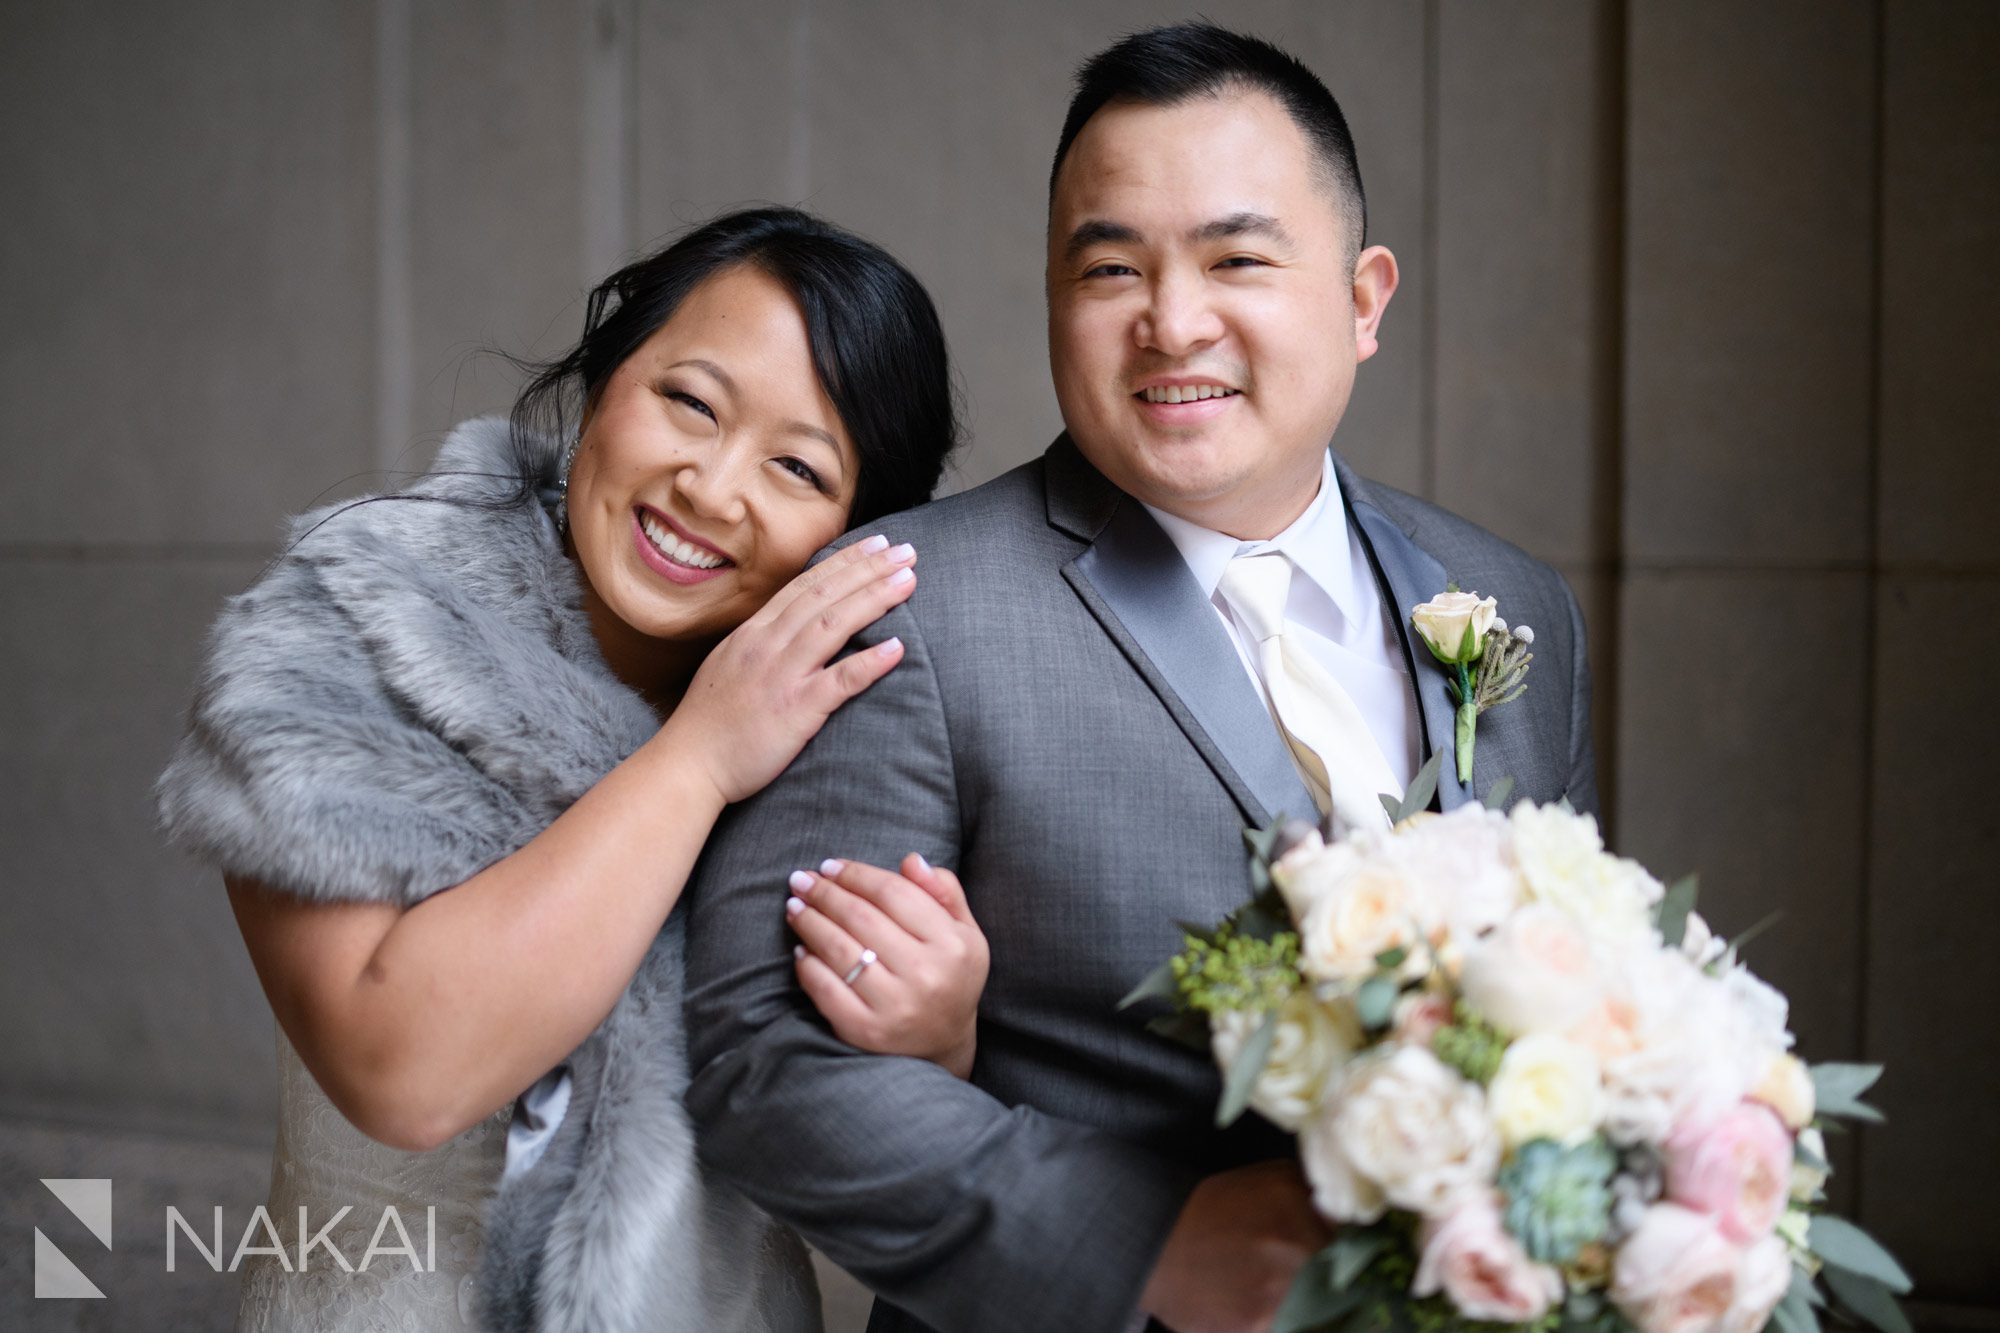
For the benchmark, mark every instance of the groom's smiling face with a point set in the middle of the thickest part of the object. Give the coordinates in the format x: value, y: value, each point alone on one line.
x: 1204, y: 323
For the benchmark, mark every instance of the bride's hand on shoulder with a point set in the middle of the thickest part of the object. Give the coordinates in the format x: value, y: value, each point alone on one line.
x: 894, y: 961
x: 767, y: 688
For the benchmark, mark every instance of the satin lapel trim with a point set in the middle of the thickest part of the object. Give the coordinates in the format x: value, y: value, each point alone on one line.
x: 1411, y: 575
x: 1136, y: 584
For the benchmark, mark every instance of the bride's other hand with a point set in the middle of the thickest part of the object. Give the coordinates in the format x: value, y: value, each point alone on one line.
x: 920, y: 994
x: 767, y: 688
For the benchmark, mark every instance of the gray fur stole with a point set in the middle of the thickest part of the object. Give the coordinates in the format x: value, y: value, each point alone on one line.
x: 410, y: 693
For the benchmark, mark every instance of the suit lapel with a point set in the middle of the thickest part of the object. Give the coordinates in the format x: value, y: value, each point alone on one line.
x: 1409, y: 575
x: 1133, y: 580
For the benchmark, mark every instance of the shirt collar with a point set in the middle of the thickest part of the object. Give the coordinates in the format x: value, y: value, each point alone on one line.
x: 1317, y: 544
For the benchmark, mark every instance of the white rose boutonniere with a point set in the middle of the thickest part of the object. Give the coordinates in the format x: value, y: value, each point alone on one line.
x: 1486, y: 661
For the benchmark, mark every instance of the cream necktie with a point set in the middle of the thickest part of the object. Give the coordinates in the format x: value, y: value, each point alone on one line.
x: 1330, y: 741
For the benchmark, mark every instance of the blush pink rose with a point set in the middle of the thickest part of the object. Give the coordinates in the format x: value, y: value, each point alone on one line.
x: 1468, y: 1255
x: 1738, y: 1169
x: 1675, y: 1273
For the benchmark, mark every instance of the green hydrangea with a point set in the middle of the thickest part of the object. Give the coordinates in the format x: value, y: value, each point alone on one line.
x: 1234, y: 971
x: 1558, y: 1199
x: 1470, y: 1045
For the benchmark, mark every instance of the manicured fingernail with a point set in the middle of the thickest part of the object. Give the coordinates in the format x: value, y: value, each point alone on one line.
x: 798, y: 953
x: 903, y: 552
x: 889, y: 647
x: 793, y: 907
x: 901, y: 577
x: 800, y: 881
x: 920, y: 861
x: 831, y: 867
x: 876, y: 543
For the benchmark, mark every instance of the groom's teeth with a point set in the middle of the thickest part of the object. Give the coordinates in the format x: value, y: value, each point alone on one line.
x: 680, y: 552
x: 1185, y: 393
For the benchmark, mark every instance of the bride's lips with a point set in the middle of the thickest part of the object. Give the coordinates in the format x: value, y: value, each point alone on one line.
x: 665, y: 565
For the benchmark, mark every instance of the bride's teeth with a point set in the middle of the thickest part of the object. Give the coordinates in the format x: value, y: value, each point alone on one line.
x: 674, y: 548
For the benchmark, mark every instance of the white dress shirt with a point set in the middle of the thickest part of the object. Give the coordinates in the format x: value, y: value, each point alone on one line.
x: 1334, y: 612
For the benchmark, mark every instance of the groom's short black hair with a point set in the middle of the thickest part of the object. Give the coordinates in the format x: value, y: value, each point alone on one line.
x: 1170, y: 65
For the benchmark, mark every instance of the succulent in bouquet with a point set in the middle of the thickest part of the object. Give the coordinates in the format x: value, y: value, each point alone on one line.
x: 1530, y: 1087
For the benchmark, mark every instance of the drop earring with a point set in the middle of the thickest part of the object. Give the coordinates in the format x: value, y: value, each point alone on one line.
x: 562, y: 483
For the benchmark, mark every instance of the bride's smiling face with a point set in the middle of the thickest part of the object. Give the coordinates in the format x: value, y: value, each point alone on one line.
x: 712, y: 464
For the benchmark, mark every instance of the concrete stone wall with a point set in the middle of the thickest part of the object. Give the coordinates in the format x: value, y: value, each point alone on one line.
x: 1696, y: 305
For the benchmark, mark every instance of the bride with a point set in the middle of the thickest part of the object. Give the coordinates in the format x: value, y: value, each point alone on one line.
x: 457, y: 751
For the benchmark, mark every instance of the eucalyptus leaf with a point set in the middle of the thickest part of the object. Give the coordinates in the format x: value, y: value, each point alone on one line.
x: 1186, y: 1028
x: 1206, y: 934
x: 1158, y: 985
x: 1352, y: 1253
x: 1837, y: 1090
x: 1869, y: 1299
x: 1843, y: 1245
x: 1496, y: 795
x: 1262, y: 840
x: 1807, y: 1158
x: 1392, y: 807
x: 1375, y: 1002
x: 1795, y: 1312
x: 1391, y: 959
x: 1674, y: 907
x: 1313, y: 1303
x: 1748, y: 933
x: 1423, y: 786
x: 1243, y: 1075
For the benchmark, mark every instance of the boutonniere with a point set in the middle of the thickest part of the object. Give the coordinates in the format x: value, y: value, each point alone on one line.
x: 1487, y: 663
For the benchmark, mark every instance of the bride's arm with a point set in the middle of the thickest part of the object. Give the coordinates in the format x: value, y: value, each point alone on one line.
x: 420, y: 1022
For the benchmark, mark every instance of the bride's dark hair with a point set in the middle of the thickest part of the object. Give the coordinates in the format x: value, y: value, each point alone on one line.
x: 876, y: 345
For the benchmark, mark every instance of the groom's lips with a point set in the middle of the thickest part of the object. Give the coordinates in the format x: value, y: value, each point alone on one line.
x: 1190, y: 411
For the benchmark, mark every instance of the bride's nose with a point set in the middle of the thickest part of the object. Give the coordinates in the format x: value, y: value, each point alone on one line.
x: 711, y: 483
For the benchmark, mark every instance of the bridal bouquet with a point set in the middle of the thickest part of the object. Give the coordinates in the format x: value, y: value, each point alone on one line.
x: 1530, y: 1086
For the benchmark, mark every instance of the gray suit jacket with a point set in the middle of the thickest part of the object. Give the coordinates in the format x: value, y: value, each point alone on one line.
x: 1071, y: 730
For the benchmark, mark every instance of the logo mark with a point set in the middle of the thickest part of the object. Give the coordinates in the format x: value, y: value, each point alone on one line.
x: 56, y: 1277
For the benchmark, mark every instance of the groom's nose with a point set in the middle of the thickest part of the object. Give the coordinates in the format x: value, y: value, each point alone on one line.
x: 1179, y: 317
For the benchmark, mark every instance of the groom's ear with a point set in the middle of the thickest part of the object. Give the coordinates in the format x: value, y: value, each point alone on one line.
x: 1375, y: 278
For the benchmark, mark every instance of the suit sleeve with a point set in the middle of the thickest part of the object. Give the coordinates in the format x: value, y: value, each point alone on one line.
x: 967, y: 1213
x: 1582, y: 787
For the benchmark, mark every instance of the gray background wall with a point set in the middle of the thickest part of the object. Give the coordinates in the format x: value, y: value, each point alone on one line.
x: 1695, y: 306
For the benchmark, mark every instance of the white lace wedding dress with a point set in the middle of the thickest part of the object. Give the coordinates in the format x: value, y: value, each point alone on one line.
x: 323, y: 1164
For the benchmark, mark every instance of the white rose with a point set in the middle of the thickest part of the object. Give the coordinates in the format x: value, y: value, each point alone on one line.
x: 1765, y: 1011
x: 1306, y: 872
x: 1536, y: 973
x: 1311, y: 1041
x: 1699, y: 942
x: 1465, y: 861
x: 1673, y: 1046
x: 1563, y: 863
x: 1546, y: 1088
x: 1787, y: 1088
x: 1444, y: 619
x: 1370, y: 909
x: 1762, y: 1279
x: 1401, y: 1128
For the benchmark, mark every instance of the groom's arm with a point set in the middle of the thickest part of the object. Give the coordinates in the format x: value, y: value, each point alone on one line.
x: 967, y: 1213
x: 1582, y: 786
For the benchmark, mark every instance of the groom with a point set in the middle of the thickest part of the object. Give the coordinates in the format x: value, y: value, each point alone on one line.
x: 1085, y: 721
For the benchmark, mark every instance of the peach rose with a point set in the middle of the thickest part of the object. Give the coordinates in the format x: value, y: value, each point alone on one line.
x: 1675, y: 1273
x: 1468, y: 1255
x: 1536, y: 973
x: 1738, y: 1169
